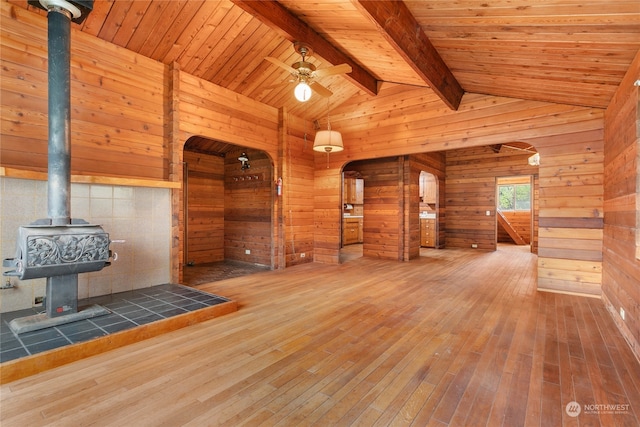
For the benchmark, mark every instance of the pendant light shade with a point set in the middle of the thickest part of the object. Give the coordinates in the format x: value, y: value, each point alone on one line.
x: 328, y: 141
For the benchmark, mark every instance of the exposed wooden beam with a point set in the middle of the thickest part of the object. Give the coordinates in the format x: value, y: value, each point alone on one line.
x: 396, y: 23
x: 290, y: 27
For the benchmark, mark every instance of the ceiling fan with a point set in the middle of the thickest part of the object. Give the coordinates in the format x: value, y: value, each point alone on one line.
x: 305, y: 73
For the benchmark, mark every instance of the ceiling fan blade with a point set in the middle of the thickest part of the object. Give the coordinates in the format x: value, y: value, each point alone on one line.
x: 320, y: 90
x: 280, y: 64
x: 330, y: 71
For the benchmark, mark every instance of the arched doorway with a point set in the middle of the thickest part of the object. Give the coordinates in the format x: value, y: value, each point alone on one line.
x: 428, y: 189
x: 228, y: 199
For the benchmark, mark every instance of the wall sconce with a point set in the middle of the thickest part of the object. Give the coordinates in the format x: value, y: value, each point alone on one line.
x: 244, y: 161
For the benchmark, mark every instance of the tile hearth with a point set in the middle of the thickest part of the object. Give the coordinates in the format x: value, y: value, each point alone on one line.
x: 128, y: 310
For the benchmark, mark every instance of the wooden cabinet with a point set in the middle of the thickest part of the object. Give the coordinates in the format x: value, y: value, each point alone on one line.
x: 351, y: 231
x: 428, y: 232
x: 428, y: 188
x: 354, y: 191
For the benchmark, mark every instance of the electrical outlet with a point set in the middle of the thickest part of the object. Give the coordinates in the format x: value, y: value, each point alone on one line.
x: 38, y: 300
x: 247, y: 251
x: 474, y: 245
x: 622, y: 313
x: 302, y: 255
x: 488, y: 213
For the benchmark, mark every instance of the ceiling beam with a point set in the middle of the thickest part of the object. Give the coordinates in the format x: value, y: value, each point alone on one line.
x: 398, y: 25
x: 293, y: 29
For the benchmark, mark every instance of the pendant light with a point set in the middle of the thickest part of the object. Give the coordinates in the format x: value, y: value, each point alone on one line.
x: 328, y: 141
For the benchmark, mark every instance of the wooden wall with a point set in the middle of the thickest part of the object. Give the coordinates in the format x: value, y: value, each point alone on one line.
x: 570, y: 212
x: 621, y: 261
x: 411, y: 210
x: 383, y: 223
x: 297, y: 191
x: 117, y: 114
x: 248, y: 208
x: 471, y: 192
x: 205, y: 207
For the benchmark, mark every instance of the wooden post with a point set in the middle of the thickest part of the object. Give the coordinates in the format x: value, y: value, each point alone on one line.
x: 175, y: 146
x: 279, y: 241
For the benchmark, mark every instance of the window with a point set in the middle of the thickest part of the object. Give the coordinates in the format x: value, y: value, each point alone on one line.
x: 515, y: 197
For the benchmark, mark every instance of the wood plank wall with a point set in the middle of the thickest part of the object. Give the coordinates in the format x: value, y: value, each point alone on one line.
x: 411, y: 210
x: 536, y: 214
x: 297, y: 191
x: 327, y: 212
x: 217, y: 113
x: 621, y: 255
x: 117, y: 114
x: 248, y: 205
x: 205, y: 207
x: 383, y: 222
x: 471, y: 192
x: 570, y: 212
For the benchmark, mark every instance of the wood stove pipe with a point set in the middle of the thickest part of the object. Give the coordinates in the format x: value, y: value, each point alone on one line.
x: 59, y: 16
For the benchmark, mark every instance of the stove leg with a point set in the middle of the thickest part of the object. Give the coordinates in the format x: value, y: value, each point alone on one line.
x: 61, y: 307
x: 61, y: 295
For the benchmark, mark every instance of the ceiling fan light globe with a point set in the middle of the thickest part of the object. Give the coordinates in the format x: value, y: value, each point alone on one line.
x: 302, y: 92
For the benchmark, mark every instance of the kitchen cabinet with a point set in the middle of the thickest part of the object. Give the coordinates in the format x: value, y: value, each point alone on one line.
x: 428, y: 232
x: 428, y: 188
x: 351, y: 231
x: 353, y: 190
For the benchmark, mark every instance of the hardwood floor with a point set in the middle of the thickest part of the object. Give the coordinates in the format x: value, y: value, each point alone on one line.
x: 456, y: 337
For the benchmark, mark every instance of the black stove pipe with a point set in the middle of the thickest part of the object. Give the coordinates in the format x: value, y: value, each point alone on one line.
x: 59, y: 161
x: 60, y: 13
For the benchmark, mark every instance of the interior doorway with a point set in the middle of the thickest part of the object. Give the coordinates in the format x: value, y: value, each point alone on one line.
x: 428, y: 189
x: 352, y: 224
x: 228, y: 211
x: 515, y: 209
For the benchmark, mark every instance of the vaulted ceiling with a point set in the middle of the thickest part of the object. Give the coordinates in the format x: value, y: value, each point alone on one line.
x: 563, y: 51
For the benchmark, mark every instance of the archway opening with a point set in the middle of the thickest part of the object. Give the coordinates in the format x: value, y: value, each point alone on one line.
x: 228, y: 199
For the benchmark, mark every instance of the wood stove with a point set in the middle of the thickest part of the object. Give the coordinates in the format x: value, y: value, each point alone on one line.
x: 59, y: 248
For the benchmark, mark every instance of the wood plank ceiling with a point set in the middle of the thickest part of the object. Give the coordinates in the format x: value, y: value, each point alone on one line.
x: 571, y: 51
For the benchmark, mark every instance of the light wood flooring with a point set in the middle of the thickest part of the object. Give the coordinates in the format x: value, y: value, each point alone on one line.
x: 454, y: 338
